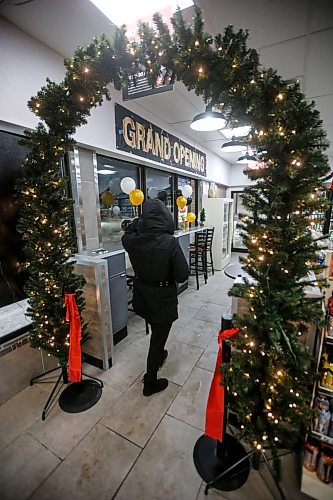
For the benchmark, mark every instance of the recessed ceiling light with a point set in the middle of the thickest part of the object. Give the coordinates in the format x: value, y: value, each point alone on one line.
x: 106, y: 172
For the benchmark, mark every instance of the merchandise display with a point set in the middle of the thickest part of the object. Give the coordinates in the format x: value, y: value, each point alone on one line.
x: 311, y: 452
x: 317, y: 477
x: 325, y: 465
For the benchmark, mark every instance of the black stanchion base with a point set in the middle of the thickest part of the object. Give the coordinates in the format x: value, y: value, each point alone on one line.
x: 80, y: 396
x: 209, y: 466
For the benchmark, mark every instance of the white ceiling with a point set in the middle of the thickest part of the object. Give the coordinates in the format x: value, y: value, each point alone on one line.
x: 295, y: 37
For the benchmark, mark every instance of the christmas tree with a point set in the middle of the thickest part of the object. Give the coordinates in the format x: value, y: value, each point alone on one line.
x: 269, y: 376
x: 46, y: 208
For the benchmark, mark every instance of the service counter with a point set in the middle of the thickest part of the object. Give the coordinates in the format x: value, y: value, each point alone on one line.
x: 105, y: 293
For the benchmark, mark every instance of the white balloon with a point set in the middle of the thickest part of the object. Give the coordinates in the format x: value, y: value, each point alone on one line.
x: 115, y: 186
x: 116, y: 210
x: 127, y: 184
x: 153, y: 192
x: 187, y: 190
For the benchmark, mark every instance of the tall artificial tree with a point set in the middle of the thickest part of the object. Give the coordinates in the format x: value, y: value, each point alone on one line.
x: 269, y: 375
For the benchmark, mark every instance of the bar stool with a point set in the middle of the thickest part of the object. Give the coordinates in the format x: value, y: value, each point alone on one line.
x: 198, y: 256
x: 210, y: 236
x: 129, y: 280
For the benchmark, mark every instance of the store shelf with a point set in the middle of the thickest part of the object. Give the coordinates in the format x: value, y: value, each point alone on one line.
x: 323, y: 438
x: 329, y: 340
x: 315, y: 488
x: 325, y: 390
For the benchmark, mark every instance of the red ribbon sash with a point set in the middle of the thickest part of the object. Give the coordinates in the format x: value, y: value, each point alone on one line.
x: 215, y: 403
x: 74, y: 359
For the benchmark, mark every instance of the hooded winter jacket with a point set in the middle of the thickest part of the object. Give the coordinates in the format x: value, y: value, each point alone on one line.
x: 156, y: 258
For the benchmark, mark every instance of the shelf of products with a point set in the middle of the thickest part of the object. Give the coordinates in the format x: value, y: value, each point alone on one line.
x: 313, y: 486
x: 317, y: 477
x: 318, y: 218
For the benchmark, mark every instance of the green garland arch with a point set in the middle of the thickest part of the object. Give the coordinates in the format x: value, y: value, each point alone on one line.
x: 269, y: 376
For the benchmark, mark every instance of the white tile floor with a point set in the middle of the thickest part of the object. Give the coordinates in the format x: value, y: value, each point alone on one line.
x: 128, y: 447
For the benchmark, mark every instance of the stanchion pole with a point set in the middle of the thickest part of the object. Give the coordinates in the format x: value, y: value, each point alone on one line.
x: 224, y: 465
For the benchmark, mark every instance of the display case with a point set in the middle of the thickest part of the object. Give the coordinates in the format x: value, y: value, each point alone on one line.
x: 219, y: 215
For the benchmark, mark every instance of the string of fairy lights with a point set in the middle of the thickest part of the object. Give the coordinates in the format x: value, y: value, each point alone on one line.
x: 268, y: 374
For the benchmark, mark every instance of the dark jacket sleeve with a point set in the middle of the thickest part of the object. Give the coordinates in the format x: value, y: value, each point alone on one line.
x: 132, y: 227
x: 180, y: 270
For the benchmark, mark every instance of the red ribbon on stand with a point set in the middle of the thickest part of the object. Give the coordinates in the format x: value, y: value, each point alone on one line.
x: 215, y: 403
x: 74, y: 359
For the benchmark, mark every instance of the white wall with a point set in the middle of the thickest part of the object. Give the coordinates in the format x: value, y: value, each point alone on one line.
x: 237, y: 176
x: 25, y: 63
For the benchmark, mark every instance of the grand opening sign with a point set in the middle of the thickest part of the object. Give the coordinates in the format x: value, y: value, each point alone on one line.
x: 138, y: 136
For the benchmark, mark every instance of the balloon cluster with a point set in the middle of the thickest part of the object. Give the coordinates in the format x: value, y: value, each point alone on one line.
x: 136, y: 196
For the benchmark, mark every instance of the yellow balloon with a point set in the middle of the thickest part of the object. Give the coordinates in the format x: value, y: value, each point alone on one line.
x: 191, y: 217
x: 136, y: 197
x: 108, y: 198
x: 181, y: 202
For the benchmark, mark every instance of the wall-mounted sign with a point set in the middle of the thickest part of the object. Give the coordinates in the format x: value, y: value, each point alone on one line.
x: 138, y: 136
x: 141, y: 87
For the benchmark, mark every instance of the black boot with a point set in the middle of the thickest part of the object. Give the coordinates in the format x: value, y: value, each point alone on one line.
x: 152, y: 386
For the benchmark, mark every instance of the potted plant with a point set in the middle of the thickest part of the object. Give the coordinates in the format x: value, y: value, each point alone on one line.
x: 202, y: 217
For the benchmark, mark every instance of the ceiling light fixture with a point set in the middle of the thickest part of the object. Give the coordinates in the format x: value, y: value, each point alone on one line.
x: 106, y: 172
x: 247, y: 159
x: 236, y: 132
x: 233, y: 146
x: 208, y: 121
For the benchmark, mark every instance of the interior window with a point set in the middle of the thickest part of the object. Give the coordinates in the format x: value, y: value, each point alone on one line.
x: 115, y: 207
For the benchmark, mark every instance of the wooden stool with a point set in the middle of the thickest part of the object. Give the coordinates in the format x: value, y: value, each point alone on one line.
x: 210, y: 236
x: 198, y: 256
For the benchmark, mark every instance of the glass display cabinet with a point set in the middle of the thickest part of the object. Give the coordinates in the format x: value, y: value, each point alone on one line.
x: 219, y: 215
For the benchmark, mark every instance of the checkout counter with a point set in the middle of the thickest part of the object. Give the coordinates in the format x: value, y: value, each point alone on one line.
x: 106, y: 298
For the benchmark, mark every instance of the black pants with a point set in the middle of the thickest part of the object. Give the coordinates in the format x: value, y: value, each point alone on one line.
x: 159, y: 336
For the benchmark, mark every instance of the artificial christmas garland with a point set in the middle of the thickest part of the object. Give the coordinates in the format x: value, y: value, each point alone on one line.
x: 269, y: 375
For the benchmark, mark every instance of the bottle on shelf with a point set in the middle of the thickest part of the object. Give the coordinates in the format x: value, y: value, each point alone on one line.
x: 311, y: 453
x: 327, y: 370
x: 325, y: 464
x: 323, y: 417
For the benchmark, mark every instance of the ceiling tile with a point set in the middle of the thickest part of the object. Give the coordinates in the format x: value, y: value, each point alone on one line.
x: 319, y: 70
x: 321, y: 15
x: 268, y: 21
x: 287, y: 57
x: 172, y: 107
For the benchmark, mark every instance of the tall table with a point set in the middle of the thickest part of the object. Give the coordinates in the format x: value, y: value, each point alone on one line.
x: 235, y: 270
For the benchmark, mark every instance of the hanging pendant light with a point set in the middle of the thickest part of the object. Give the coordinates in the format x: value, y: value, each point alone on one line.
x: 246, y: 159
x: 230, y: 133
x: 233, y: 146
x: 208, y: 121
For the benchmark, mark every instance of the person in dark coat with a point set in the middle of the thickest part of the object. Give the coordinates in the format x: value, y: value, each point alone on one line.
x: 158, y: 263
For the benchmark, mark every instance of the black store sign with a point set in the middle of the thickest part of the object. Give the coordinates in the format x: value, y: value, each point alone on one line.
x: 138, y: 136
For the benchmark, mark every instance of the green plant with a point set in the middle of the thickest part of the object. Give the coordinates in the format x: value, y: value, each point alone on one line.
x: 203, y: 215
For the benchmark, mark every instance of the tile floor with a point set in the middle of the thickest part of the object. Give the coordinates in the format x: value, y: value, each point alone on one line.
x: 128, y: 447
